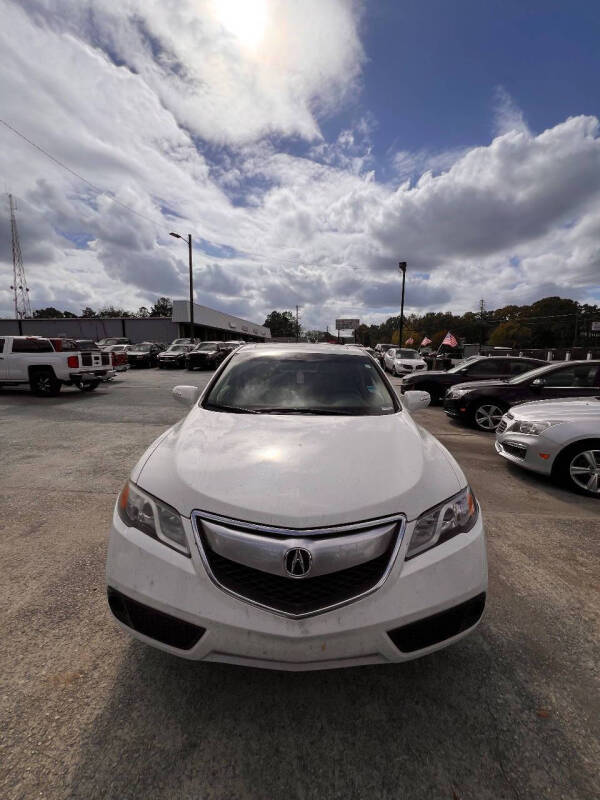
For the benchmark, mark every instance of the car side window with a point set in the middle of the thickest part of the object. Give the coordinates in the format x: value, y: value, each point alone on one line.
x: 519, y: 367
x: 583, y: 375
x: 31, y: 346
x: 487, y: 366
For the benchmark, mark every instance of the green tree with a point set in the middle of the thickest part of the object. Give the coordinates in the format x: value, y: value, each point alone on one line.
x: 48, y: 313
x: 162, y: 308
x: 281, y: 323
x: 69, y: 315
x: 111, y: 311
x: 510, y: 334
x: 142, y: 312
x: 88, y: 312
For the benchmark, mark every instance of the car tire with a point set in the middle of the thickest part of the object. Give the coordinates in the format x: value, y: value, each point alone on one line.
x: 486, y: 414
x: 574, y: 468
x: 89, y: 387
x: 43, y: 383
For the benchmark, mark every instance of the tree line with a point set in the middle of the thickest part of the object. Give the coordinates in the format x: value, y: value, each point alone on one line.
x: 163, y: 307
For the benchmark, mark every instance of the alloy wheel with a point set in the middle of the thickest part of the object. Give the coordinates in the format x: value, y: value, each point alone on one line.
x: 488, y: 416
x: 584, y: 470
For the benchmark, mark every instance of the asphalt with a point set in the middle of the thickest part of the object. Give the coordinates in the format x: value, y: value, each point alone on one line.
x: 85, y: 712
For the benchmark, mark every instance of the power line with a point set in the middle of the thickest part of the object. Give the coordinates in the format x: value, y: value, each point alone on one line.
x: 76, y: 174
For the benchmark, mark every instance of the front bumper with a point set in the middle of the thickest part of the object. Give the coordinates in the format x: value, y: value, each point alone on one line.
x: 530, y: 452
x: 456, y: 407
x: 232, y: 630
x: 171, y: 362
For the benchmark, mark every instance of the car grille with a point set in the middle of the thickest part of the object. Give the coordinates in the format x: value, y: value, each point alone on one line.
x: 292, y: 596
x: 504, y: 423
x: 515, y: 449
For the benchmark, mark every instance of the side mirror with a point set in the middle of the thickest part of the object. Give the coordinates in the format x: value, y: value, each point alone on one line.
x: 537, y: 384
x: 186, y: 394
x: 415, y: 400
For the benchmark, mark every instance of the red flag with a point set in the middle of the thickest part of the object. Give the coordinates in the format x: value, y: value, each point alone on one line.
x: 410, y: 341
x: 425, y: 341
x: 450, y: 340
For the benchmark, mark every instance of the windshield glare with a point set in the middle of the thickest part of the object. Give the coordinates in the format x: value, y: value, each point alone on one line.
x: 207, y: 346
x: 532, y: 374
x: 316, y: 383
x: 463, y: 363
x: 143, y: 348
x: 176, y: 348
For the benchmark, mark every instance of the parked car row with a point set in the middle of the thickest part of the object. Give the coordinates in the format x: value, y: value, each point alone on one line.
x: 546, y: 419
x: 180, y: 353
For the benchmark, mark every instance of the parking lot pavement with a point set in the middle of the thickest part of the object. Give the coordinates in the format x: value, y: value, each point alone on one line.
x: 511, y: 712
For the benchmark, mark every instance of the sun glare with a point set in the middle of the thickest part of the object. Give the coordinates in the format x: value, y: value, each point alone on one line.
x: 244, y: 19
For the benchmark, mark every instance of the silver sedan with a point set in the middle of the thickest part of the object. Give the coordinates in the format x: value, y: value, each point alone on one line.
x: 558, y: 438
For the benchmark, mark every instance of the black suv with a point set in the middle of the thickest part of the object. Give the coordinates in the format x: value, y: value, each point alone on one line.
x: 483, y: 404
x: 208, y: 355
x: 475, y: 368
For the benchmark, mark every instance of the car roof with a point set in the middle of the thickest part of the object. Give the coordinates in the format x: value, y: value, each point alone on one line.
x: 259, y: 348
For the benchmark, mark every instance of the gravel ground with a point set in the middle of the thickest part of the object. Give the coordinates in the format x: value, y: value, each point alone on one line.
x: 511, y: 712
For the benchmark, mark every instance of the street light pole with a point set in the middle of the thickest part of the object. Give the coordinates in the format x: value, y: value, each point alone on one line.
x: 402, y: 267
x: 188, y: 239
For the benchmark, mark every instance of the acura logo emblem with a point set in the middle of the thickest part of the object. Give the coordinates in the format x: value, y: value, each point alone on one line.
x: 297, y: 562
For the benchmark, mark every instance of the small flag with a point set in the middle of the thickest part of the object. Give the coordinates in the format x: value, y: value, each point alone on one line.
x: 410, y: 341
x: 450, y: 340
x: 425, y: 342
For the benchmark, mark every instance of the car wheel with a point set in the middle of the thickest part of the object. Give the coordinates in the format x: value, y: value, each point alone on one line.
x: 578, y: 467
x: 487, y: 415
x: 43, y: 383
x: 89, y: 387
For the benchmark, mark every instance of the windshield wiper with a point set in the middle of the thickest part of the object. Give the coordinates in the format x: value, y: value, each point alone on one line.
x: 233, y: 409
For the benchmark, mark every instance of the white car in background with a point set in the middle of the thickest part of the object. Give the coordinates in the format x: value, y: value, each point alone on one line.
x: 558, y: 438
x: 250, y: 532
x: 403, y: 361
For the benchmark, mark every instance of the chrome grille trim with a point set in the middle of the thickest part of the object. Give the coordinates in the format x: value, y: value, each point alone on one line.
x: 290, y: 537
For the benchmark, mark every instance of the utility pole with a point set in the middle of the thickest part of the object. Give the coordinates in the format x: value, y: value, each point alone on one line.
x: 481, y: 319
x: 297, y: 326
x: 402, y: 268
x: 188, y: 239
x: 21, y: 292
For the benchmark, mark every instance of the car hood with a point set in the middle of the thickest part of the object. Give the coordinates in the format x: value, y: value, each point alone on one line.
x: 298, y: 471
x: 203, y: 352
x: 410, y: 361
x: 570, y: 410
x: 434, y: 372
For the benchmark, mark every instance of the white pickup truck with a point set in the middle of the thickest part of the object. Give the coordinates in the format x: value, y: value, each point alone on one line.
x: 35, y: 361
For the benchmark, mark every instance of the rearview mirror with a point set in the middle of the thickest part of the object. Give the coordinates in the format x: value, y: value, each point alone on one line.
x: 186, y: 394
x: 415, y: 400
x: 537, y: 383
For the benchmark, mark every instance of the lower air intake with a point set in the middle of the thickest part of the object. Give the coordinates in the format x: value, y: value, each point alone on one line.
x: 152, y: 623
x: 435, y: 629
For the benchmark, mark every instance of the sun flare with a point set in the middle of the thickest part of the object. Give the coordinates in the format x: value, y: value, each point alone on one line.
x: 244, y: 19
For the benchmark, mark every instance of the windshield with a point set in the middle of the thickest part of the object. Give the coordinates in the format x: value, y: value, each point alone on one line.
x: 406, y: 354
x: 301, y: 383
x: 207, y: 346
x: 143, y: 348
x: 176, y: 348
x: 532, y: 374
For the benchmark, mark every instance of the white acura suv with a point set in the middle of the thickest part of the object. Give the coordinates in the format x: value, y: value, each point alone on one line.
x: 297, y: 518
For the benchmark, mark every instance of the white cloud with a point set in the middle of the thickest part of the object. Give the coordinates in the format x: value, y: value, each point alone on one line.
x: 193, y: 128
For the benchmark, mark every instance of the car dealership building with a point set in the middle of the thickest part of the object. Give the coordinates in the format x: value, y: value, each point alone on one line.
x: 209, y: 324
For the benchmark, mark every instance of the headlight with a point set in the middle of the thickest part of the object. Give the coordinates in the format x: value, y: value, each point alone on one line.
x: 149, y: 515
x: 454, y: 516
x: 457, y: 392
x: 532, y: 428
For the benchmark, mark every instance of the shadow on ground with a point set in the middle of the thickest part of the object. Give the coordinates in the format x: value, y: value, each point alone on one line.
x: 454, y: 725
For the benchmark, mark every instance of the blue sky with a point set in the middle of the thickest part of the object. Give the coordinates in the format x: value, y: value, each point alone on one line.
x: 433, y: 67
x: 307, y: 146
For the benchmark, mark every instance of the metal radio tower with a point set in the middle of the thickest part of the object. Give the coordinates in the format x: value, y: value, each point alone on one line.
x: 22, y: 304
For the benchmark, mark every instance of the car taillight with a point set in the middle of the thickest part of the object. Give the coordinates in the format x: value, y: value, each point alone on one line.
x: 73, y: 362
